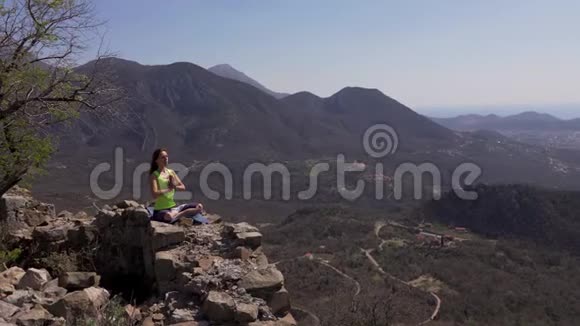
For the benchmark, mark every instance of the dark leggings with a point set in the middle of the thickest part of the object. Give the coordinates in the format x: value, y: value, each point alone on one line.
x: 159, y: 215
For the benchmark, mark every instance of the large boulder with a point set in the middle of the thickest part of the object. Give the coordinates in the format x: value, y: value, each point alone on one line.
x: 34, y: 279
x: 80, y: 305
x: 104, y: 218
x: 250, y: 239
x: 6, y: 289
x: 19, y: 297
x: 12, y: 275
x: 37, y: 316
x: 34, y: 218
x: 138, y: 217
x: 166, y: 235
x: 11, y: 207
x: 73, y: 281
x: 246, y: 313
x: 52, y: 292
x: 21, y: 211
x: 166, y: 265
x: 52, y: 232
x: 219, y: 307
x: 269, y: 279
x: 280, y: 302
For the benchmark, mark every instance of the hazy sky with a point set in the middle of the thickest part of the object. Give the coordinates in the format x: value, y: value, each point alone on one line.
x: 424, y: 53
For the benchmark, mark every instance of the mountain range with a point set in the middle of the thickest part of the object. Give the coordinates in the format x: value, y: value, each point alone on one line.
x: 525, y: 121
x: 200, y: 116
x: 528, y: 127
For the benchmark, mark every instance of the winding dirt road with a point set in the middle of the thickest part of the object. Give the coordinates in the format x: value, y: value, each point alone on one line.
x: 367, y: 253
x: 324, y: 263
x: 336, y: 270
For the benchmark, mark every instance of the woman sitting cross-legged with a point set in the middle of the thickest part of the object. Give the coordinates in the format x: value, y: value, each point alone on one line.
x: 164, y: 182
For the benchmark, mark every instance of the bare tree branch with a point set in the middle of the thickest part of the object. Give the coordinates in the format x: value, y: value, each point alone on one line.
x: 39, y: 83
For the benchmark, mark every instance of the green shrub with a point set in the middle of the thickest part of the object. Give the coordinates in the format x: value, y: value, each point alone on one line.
x: 8, y: 257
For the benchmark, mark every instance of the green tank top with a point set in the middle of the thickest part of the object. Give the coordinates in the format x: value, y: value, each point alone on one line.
x: 163, y: 201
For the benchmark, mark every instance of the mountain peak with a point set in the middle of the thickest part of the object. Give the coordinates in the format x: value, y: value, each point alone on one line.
x: 533, y: 115
x: 355, y: 90
x: 222, y: 66
x: 227, y: 71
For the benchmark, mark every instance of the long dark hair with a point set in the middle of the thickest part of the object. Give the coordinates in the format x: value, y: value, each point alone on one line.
x: 154, y: 167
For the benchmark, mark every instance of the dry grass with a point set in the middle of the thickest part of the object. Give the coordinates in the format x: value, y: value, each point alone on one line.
x: 428, y: 283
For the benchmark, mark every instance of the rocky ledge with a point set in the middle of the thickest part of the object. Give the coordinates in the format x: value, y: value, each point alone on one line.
x: 185, y: 274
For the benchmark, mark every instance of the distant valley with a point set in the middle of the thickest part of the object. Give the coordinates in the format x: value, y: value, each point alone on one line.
x: 529, y: 127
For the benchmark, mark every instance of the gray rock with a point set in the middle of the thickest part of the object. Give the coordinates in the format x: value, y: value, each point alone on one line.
x: 262, y: 261
x: 269, y: 279
x: 19, y: 297
x: 65, y: 214
x: 139, y: 217
x: 81, y: 215
x: 250, y: 239
x: 11, y: 207
x: 127, y: 203
x: 165, y: 235
x: 232, y: 229
x: 37, y: 316
x: 34, y: 279
x: 51, y: 233
x: 7, y: 310
x: 280, y: 302
x: 182, y: 315
x: 242, y: 253
x: 213, y: 218
x: 166, y: 267
x: 219, y: 307
x: 13, y: 202
x: 246, y: 313
x: 73, y: 281
x: 104, y: 218
x: 80, y: 305
x: 98, y: 296
x: 35, y: 218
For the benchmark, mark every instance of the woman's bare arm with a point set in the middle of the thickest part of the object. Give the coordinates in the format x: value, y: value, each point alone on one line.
x: 177, y: 182
x: 155, y: 191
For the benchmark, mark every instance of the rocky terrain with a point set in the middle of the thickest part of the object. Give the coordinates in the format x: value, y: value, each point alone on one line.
x: 141, y: 272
